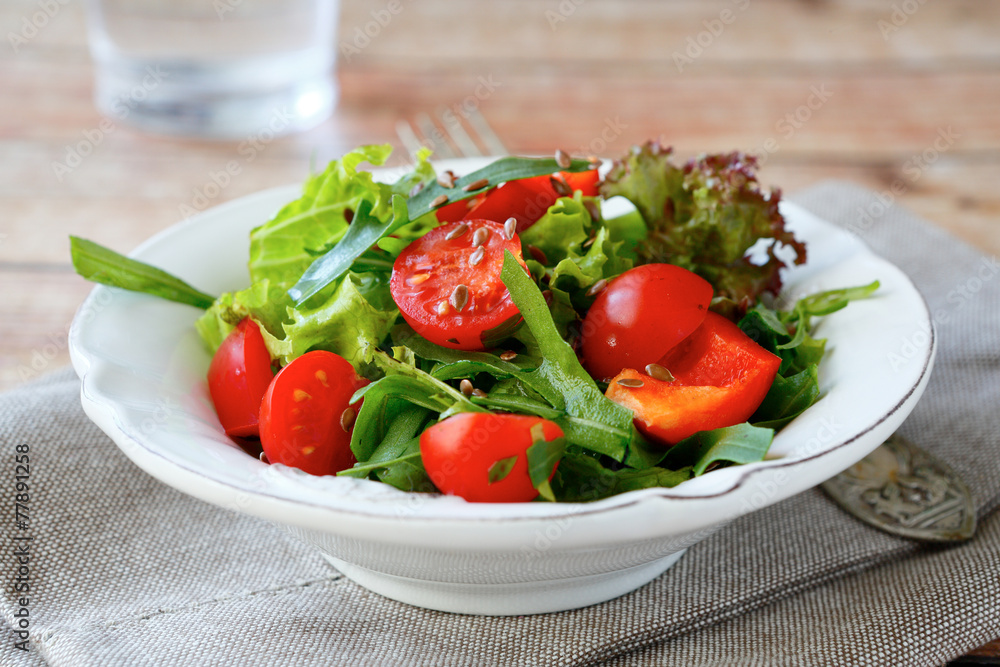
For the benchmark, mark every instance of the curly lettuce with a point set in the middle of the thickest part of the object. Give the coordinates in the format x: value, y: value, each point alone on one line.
x: 706, y: 216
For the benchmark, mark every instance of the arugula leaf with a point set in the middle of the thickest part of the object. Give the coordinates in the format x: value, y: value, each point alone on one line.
x: 600, y: 424
x: 742, y: 443
x: 369, y: 229
x: 103, y: 265
x: 543, y: 456
x: 787, y: 399
x: 581, y: 478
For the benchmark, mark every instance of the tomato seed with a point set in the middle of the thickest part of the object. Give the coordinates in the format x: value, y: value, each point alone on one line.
x: 442, y: 308
x: 477, y: 256
x: 562, y: 159
x: 476, y: 185
x: 658, y: 372
x: 466, y: 388
x: 321, y: 376
x: 455, y: 233
x: 510, y: 228
x: 309, y: 449
x: 629, y: 382
x: 508, y: 355
x: 418, y: 279
x: 298, y: 396
x: 347, y: 418
x: 440, y: 200
x: 459, y: 297
x: 479, y: 238
x: 597, y: 287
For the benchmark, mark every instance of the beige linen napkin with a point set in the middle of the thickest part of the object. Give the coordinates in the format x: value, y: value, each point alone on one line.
x: 126, y: 571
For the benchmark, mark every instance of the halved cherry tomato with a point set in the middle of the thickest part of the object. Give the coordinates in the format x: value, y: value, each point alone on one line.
x: 459, y: 452
x: 238, y: 376
x: 305, y: 411
x: 450, y: 292
x: 641, y: 315
x: 528, y: 199
x: 720, y: 378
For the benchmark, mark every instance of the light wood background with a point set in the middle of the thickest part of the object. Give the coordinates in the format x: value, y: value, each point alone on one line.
x: 585, y: 75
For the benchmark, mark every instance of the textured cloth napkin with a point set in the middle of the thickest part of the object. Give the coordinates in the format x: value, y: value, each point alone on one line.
x: 126, y: 571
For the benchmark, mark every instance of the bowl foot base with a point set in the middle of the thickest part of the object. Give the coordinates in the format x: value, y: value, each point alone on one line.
x: 514, y: 599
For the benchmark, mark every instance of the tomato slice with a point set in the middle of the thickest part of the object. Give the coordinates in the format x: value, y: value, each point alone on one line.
x: 641, y: 315
x: 720, y: 378
x: 238, y: 376
x: 459, y: 452
x: 450, y: 292
x: 305, y: 411
x: 527, y: 199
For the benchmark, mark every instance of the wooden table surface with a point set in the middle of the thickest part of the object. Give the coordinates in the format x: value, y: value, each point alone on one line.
x: 905, y: 92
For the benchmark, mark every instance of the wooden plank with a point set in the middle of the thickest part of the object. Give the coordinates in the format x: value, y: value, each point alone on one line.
x: 778, y: 31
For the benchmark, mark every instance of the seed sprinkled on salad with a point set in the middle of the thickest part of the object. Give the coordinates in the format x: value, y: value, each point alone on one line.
x: 455, y: 233
x: 347, y: 418
x: 479, y: 238
x: 447, y: 179
x: 597, y: 287
x: 658, y: 372
x: 640, y: 306
x: 562, y: 159
x: 561, y: 186
x: 459, y: 297
x: 509, y: 228
x: 477, y: 256
x: 476, y: 185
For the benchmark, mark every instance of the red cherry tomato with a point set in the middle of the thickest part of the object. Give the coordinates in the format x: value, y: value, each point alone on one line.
x: 720, y: 378
x: 304, y: 412
x: 238, y: 376
x: 449, y: 297
x: 528, y: 199
x: 640, y: 315
x: 459, y: 452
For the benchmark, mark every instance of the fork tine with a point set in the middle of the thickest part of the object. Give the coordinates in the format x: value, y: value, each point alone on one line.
x: 458, y: 134
x: 409, y: 138
x: 489, y: 138
x: 434, y: 137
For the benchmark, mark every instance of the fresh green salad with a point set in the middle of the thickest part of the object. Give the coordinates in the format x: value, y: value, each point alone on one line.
x: 499, y: 336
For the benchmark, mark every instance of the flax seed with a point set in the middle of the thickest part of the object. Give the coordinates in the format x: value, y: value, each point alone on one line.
x: 597, y: 287
x: 347, y: 418
x: 658, y: 372
x: 466, y: 387
x: 459, y: 297
x: 440, y: 200
x: 629, y: 382
x: 510, y: 228
x: 446, y: 180
x: 477, y: 256
x: 508, y: 355
x: 476, y: 185
x: 562, y: 159
x: 455, y: 233
x: 560, y: 186
x: 479, y: 393
x: 538, y: 255
x: 479, y: 238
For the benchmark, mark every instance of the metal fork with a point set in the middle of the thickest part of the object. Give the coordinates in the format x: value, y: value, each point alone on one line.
x: 450, y: 135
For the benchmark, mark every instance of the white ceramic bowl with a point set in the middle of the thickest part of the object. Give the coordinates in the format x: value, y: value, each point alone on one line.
x: 143, y: 371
